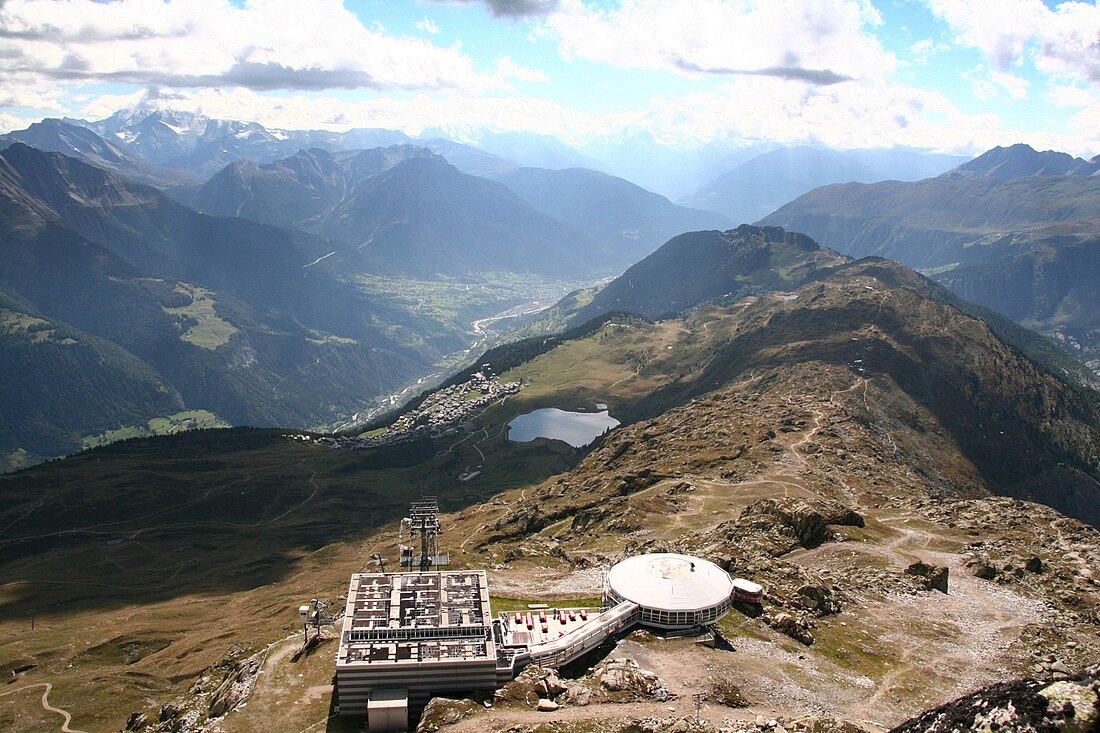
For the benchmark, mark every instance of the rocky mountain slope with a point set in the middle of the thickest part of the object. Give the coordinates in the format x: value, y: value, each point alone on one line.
x: 823, y: 444
x: 699, y: 267
x: 992, y: 230
x: 723, y: 267
x: 1048, y: 287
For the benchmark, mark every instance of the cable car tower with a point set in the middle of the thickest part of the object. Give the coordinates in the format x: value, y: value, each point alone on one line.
x: 423, y: 522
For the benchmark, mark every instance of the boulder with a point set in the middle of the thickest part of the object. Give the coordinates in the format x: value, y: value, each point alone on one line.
x: 795, y: 627
x: 931, y: 577
x: 443, y: 711
x: 550, y: 684
x: 621, y: 675
x: 625, y: 680
x: 818, y: 724
x: 816, y: 599
x: 169, y: 711
x: 136, y: 721
x: 579, y: 694
x: 981, y: 569
x: 546, y: 705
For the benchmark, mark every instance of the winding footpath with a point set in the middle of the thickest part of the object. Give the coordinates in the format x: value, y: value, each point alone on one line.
x: 46, y: 704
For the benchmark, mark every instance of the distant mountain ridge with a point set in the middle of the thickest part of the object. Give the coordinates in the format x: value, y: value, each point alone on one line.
x: 404, y: 210
x: 761, y: 185
x: 624, y: 217
x: 672, y: 167
x: 992, y: 229
x: 57, y: 136
x: 223, y: 311
x: 1022, y: 160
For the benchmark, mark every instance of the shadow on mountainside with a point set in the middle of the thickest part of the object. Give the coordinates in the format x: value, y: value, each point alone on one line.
x: 1028, y: 434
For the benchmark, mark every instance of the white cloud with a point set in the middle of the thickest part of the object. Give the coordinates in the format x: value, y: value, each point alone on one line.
x: 31, y: 96
x: 1059, y: 41
x: 509, y: 69
x: 428, y: 26
x: 822, y: 42
x: 412, y: 115
x: 750, y: 108
x: 990, y: 84
x: 1086, y: 124
x: 921, y: 52
x: 880, y: 114
x: 263, y: 44
x: 1071, y: 96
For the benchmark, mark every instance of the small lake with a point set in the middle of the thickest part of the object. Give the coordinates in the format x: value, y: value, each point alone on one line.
x: 578, y: 429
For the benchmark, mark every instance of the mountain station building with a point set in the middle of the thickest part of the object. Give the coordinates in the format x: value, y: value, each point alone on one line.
x: 407, y: 637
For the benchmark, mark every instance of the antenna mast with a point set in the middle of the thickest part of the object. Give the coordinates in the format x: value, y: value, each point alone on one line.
x: 423, y: 520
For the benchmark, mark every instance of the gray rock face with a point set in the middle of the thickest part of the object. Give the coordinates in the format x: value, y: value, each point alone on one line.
x: 443, y: 711
x: 1070, y: 706
x: 789, y: 516
x: 624, y: 675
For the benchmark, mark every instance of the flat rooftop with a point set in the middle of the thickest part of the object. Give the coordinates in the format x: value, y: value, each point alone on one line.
x: 517, y: 633
x: 416, y: 617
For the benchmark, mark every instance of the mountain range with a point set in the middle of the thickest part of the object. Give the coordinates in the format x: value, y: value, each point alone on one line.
x: 761, y: 185
x: 404, y: 210
x: 257, y: 310
x: 1014, y: 230
x: 700, y: 174
x: 56, y: 136
x: 223, y: 313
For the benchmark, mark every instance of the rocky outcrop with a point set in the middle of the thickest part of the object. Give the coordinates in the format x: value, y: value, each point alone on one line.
x: 796, y: 627
x: 612, y: 680
x: 1071, y: 705
x: 794, y: 522
x: 221, y: 689
x: 785, y: 516
x: 627, y: 677
x: 929, y: 577
x: 816, y: 599
x: 443, y: 711
x: 761, y: 724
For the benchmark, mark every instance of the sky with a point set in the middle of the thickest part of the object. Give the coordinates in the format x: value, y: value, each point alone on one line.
x: 950, y: 75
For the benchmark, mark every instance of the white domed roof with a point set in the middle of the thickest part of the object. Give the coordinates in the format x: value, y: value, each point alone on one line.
x: 670, y: 582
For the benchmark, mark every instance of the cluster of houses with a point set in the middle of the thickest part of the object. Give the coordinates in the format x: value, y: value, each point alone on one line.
x: 443, y: 411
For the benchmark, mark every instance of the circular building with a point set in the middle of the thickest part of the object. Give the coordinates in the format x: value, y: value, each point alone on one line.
x: 674, y: 592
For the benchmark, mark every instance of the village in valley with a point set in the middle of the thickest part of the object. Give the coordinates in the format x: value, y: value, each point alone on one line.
x: 444, y: 411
